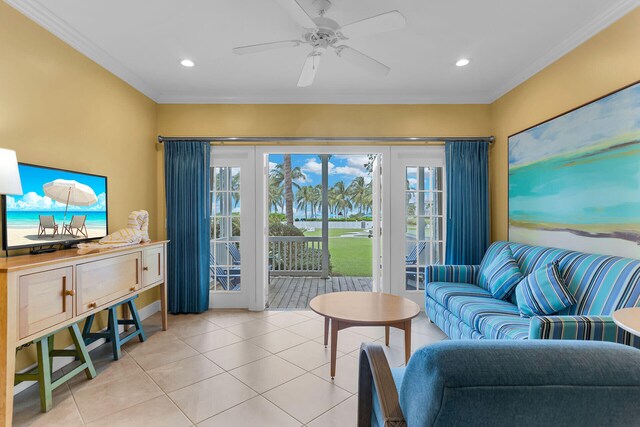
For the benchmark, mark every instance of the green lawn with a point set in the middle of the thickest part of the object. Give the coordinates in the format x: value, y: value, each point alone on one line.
x: 349, y: 256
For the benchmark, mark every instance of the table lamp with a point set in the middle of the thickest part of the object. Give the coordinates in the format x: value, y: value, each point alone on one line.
x: 9, y: 175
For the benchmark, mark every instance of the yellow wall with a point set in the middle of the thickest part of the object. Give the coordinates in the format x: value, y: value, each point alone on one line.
x: 607, y: 62
x: 60, y: 109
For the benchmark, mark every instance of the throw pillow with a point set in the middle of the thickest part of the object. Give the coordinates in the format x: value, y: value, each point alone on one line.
x: 543, y: 292
x: 503, y: 274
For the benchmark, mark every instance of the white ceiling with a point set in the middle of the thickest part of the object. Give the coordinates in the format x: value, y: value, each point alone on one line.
x: 141, y: 42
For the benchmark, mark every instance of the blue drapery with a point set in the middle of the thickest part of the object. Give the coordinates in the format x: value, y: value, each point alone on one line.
x: 186, y: 165
x: 467, y: 201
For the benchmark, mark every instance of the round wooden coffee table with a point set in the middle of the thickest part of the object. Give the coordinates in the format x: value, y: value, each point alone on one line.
x: 342, y: 310
x: 628, y: 319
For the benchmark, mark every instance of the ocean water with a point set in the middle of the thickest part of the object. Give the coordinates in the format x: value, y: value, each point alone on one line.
x: 593, y: 190
x: 30, y: 219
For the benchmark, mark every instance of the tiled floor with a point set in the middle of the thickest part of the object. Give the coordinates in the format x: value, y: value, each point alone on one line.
x: 222, y: 368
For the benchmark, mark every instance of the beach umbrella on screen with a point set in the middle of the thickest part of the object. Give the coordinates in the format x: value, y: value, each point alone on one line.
x: 70, y: 192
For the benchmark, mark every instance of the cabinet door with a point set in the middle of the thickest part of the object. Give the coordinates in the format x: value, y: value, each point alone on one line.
x: 152, y: 266
x: 45, y: 300
x: 100, y: 282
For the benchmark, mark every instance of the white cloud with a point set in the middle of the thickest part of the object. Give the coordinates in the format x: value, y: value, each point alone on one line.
x: 32, y: 201
x: 272, y: 166
x: 313, y: 166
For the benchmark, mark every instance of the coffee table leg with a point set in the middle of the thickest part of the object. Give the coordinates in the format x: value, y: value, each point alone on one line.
x: 334, y: 346
x: 326, y: 331
x: 386, y: 335
x: 407, y: 341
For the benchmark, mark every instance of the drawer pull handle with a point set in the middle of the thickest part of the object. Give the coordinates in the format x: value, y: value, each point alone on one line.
x: 133, y: 288
x: 92, y: 305
x: 70, y: 292
x: 145, y: 268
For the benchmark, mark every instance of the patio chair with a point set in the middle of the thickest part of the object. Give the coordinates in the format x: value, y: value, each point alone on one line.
x: 413, y: 274
x: 230, y: 282
x: 235, y: 253
x: 47, y: 221
x: 79, y: 223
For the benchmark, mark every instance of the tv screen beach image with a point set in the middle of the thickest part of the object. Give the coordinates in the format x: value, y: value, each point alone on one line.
x: 56, y: 206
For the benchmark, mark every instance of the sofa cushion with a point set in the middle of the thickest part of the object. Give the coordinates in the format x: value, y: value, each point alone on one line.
x: 443, y: 291
x: 543, y: 292
x: 449, y: 323
x: 503, y: 274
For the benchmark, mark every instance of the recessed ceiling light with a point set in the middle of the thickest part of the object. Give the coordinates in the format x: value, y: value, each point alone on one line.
x: 187, y: 63
x: 462, y: 62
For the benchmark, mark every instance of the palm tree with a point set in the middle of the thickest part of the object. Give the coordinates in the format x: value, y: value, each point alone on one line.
x: 304, y: 197
x: 284, y: 175
x: 316, y: 200
x: 358, y: 193
x: 341, y: 197
x: 276, y: 195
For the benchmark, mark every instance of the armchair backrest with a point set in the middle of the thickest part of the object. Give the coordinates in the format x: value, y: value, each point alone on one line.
x: 524, y: 383
x: 601, y: 284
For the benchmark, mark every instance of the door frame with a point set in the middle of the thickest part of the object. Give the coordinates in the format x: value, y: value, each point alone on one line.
x: 400, y: 158
x: 262, y: 223
x: 243, y: 157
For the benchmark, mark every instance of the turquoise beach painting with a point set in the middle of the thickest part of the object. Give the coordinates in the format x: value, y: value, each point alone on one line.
x: 574, y: 181
x: 25, y: 214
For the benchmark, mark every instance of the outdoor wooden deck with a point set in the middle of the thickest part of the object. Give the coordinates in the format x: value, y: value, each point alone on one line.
x: 296, y: 292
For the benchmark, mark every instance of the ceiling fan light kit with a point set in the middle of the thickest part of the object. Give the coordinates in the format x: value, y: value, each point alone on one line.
x: 322, y: 33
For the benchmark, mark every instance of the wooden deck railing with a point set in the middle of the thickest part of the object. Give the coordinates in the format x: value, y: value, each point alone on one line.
x: 296, y: 256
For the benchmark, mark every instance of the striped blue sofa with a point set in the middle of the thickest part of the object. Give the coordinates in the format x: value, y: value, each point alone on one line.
x: 459, y: 302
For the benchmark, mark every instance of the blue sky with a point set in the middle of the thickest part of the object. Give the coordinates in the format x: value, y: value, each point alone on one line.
x: 616, y: 116
x: 343, y: 167
x: 33, y: 198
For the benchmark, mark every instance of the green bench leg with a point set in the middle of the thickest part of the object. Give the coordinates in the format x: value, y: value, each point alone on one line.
x: 43, y: 372
x: 114, y: 333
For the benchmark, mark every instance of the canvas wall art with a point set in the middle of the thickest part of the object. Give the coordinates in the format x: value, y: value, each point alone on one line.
x: 574, y: 181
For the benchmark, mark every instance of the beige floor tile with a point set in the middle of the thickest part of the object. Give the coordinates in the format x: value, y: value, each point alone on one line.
x: 107, y: 370
x: 162, y: 354
x: 373, y: 332
x: 154, y: 342
x: 185, y: 372
x: 252, y: 329
x: 309, y: 313
x: 254, y: 412
x: 267, y: 373
x: 64, y: 413
x: 346, y: 373
x: 212, y: 340
x: 158, y: 412
x: 423, y: 326
x: 226, y: 318
x: 97, y: 402
x: 308, y: 356
x: 396, y: 339
x: 348, y: 341
x: 306, y: 397
x: 394, y: 354
x: 278, y: 340
x: 311, y: 329
x: 207, y: 398
x: 235, y: 355
x: 286, y: 318
x: 192, y: 327
x: 343, y: 415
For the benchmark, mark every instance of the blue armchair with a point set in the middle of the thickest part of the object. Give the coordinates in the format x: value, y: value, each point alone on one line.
x: 502, y: 383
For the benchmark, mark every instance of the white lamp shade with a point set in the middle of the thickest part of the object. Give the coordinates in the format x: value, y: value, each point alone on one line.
x: 9, y: 175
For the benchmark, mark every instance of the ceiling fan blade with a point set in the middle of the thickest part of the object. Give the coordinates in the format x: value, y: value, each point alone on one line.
x: 243, y: 50
x: 361, y: 60
x: 382, y: 23
x: 297, y: 13
x: 309, y: 69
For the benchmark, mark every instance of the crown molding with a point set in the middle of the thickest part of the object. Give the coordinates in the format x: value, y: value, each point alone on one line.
x: 580, y: 36
x: 292, y: 98
x: 40, y: 14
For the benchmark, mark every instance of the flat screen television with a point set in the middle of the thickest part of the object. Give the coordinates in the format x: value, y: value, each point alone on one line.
x: 57, y: 207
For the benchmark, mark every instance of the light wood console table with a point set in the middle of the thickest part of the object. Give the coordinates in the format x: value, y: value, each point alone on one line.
x: 40, y: 294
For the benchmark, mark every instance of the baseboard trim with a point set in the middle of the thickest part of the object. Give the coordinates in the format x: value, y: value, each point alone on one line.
x: 61, y: 362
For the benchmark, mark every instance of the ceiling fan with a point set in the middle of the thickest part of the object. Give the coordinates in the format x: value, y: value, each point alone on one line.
x: 322, y: 33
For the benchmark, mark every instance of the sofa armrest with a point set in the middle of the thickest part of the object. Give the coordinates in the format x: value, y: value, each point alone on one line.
x: 374, y: 371
x: 453, y: 273
x: 594, y: 328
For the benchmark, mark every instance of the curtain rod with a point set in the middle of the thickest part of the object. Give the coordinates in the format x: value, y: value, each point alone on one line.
x: 231, y: 140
